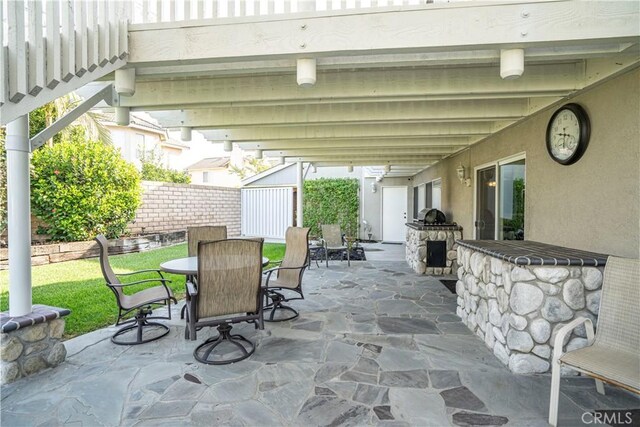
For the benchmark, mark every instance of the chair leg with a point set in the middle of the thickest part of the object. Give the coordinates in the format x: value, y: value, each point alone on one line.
x: 348, y: 259
x: 136, y: 328
x: 600, y: 387
x: 203, y: 352
x: 326, y: 256
x: 555, y: 393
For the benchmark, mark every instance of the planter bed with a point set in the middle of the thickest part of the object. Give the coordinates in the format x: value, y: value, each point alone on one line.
x: 66, y: 251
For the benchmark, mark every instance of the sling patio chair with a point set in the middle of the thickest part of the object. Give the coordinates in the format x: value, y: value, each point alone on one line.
x: 136, y: 330
x: 288, y: 276
x: 332, y: 241
x: 228, y: 291
x: 612, y: 354
x: 204, y: 232
x: 196, y: 234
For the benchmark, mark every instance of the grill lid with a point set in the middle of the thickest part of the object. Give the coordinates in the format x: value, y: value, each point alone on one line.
x: 431, y: 216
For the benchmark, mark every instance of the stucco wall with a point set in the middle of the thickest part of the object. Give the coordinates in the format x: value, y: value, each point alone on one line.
x: 593, y: 204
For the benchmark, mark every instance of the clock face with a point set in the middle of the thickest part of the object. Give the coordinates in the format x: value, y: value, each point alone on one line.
x: 568, y: 134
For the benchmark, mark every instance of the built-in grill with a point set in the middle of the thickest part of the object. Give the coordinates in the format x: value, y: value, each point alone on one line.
x: 430, y: 216
x: 436, y: 243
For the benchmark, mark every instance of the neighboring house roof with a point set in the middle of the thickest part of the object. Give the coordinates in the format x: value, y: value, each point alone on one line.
x: 266, y: 173
x: 110, y: 117
x: 174, y: 144
x: 210, y: 163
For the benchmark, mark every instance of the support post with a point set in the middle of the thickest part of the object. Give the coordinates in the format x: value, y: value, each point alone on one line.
x: 299, y: 194
x: 19, y: 218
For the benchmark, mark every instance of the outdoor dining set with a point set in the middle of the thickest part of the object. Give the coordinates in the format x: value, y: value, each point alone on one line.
x: 225, y: 284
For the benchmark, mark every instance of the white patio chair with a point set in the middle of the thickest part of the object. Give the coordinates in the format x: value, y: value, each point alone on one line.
x: 611, y: 356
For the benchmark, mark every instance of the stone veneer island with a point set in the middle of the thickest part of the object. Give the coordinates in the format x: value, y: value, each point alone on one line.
x: 419, y: 236
x: 515, y: 295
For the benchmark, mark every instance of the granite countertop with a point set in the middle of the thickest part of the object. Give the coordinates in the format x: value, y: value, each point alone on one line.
x: 420, y: 226
x: 526, y: 252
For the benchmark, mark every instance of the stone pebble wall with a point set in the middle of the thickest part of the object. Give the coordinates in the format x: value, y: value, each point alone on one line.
x: 30, y: 350
x: 517, y: 310
x: 416, y: 250
x: 170, y: 207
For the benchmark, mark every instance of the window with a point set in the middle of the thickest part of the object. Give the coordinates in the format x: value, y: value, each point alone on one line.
x: 205, y: 176
x: 140, y: 144
x: 433, y: 194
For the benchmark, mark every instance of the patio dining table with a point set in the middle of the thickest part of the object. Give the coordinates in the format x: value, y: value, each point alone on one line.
x: 189, y: 265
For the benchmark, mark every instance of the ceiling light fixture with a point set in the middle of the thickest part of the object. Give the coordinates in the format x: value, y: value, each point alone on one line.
x: 306, y: 72
x: 511, y: 63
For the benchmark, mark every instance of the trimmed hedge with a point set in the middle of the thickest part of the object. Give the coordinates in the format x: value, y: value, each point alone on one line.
x: 331, y: 201
x: 83, y: 188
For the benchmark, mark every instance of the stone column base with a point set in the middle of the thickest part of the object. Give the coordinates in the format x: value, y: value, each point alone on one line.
x: 31, y: 343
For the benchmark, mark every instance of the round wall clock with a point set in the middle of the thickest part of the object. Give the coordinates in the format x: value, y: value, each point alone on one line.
x: 568, y: 134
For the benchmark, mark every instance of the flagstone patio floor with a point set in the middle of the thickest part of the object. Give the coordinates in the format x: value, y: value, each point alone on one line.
x: 375, y: 344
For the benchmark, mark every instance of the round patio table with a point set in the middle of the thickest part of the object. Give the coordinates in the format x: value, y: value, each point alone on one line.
x: 189, y: 266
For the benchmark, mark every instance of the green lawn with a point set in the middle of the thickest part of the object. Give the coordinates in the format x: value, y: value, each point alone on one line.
x: 79, y: 285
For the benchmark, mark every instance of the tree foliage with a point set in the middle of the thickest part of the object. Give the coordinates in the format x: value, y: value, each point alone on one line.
x: 331, y: 201
x: 250, y: 166
x: 83, y: 188
x: 153, y: 170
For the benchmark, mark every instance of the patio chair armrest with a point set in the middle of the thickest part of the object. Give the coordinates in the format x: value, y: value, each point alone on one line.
x: 151, y: 270
x: 192, y: 290
x: 270, y: 271
x: 566, y: 329
x: 138, y: 282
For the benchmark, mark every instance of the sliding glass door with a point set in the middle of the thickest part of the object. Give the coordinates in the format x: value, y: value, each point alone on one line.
x: 511, y: 187
x: 500, y: 188
x: 486, y: 204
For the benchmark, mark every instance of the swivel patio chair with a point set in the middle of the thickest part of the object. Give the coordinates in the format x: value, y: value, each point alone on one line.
x: 612, y: 355
x: 332, y: 240
x: 196, y: 234
x: 228, y: 291
x: 136, y: 330
x: 288, y: 276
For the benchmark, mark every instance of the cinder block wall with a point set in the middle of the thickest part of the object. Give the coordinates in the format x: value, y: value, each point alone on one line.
x: 170, y: 207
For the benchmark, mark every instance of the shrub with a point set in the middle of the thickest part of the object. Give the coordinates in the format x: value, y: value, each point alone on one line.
x: 154, y: 172
x: 3, y: 183
x: 331, y: 201
x: 83, y: 188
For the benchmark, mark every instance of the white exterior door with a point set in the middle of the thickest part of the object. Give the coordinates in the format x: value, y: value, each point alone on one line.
x: 394, y: 213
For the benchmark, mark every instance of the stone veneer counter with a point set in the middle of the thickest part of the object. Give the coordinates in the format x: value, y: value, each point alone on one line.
x: 525, y: 252
x: 515, y: 295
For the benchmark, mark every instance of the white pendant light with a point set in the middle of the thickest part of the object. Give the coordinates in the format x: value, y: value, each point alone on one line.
x: 387, y: 168
x: 228, y: 146
x: 350, y: 168
x: 306, y: 72
x: 511, y: 63
x: 185, y: 133
x: 125, y: 82
x: 258, y: 154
